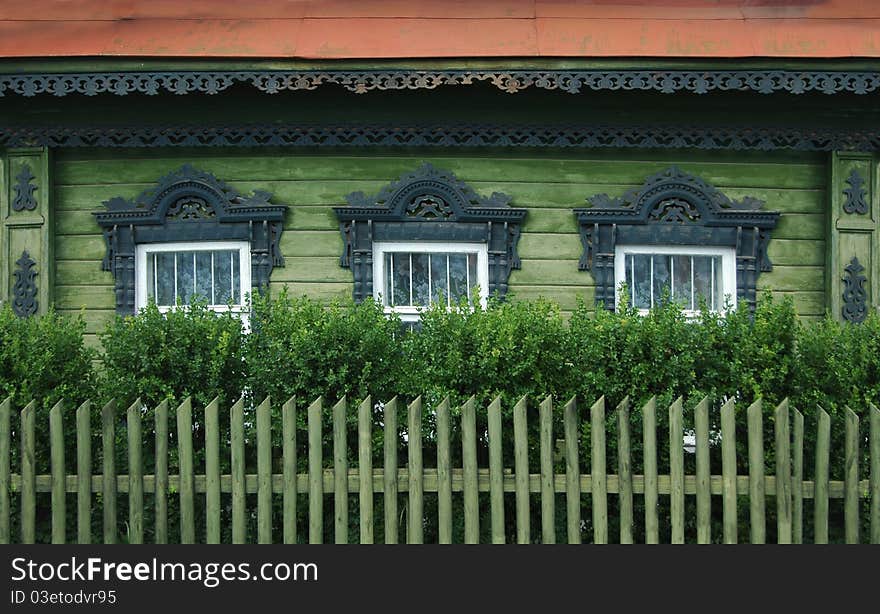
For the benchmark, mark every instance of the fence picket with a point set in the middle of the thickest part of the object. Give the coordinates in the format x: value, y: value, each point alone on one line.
x: 316, y: 472
x: 649, y: 445
x: 108, y: 488
x: 820, y: 494
x: 797, y: 479
x: 874, y: 487
x: 5, y: 460
x: 28, y: 475
x: 676, y: 471
x: 783, y: 473
x: 548, y: 496
x: 416, y: 494
x: 212, y: 472
x: 572, y: 472
x: 851, y: 477
x: 704, y: 498
x: 496, y: 472
x: 521, y: 471
x: 728, y: 472
x: 624, y: 470
x: 340, y: 472
x: 288, y: 453
x: 390, y: 471
x: 365, y: 468
x: 444, y: 475
x: 598, y: 472
x: 83, y: 473
x: 757, y: 499
x: 185, y: 466
x: 135, y: 475
x: 264, y: 472
x: 236, y: 442
x: 56, y: 457
x: 469, y: 469
x: 160, y: 494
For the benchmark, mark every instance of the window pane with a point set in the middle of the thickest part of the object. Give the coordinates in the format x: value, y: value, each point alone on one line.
x: 641, y: 277
x: 203, y: 276
x: 718, y: 283
x: 164, y: 283
x: 472, y: 275
x: 439, y: 288
x: 185, y: 276
x: 238, y: 297
x: 222, y: 277
x: 661, y: 280
x: 682, y: 280
x: 420, y: 279
x: 458, y: 276
x: 703, y: 281
x: 401, y: 279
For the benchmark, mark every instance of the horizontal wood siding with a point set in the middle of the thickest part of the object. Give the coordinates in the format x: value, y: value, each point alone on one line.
x: 548, y: 186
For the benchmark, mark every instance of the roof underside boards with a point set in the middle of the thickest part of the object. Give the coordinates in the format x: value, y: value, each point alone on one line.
x: 366, y: 29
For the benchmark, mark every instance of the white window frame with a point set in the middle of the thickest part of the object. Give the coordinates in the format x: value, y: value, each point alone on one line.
x: 728, y: 268
x: 143, y: 250
x: 413, y: 313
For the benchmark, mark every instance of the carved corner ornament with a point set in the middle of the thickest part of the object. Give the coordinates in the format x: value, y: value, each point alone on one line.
x: 24, y: 188
x: 24, y: 290
x: 855, y: 194
x: 855, y: 296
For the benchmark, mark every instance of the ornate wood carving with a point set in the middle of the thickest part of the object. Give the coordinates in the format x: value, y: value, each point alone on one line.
x: 24, y: 290
x: 24, y: 188
x: 855, y: 296
x: 855, y: 194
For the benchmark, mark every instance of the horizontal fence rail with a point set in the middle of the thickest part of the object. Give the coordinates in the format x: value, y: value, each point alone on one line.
x: 324, y: 483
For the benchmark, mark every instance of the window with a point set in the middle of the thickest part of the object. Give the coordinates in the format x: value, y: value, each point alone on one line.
x: 172, y: 273
x: 685, y: 275
x: 411, y: 276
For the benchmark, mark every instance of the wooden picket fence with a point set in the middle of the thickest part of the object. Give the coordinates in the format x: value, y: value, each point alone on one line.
x: 788, y: 487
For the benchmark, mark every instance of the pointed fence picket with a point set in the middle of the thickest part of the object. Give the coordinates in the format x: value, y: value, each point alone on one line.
x: 431, y: 473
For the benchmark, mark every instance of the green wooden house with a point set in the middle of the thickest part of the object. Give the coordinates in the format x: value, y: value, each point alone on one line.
x: 414, y: 151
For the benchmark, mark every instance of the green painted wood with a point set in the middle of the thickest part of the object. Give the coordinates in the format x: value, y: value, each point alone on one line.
x: 5, y: 456
x: 316, y: 469
x: 572, y: 472
x: 624, y: 471
x: 340, y: 472
x: 160, y: 489
x: 874, y: 488
x: 851, y: 477
x: 548, y: 496
x: 797, y: 479
x: 757, y: 499
x: 56, y: 453
x: 821, y: 477
x: 469, y: 471
x: 496, y: 471
x: 415, y: 515
x: 365, y: 469
x: 390, y: 442
x: 728, y: 471
x: 28, y: 474
x: 212, y: 472
x: 783, y: 473
x: 83, y: 472
x: 264, y: 472
x: 598, y: 472
x: 444, y: 475
x: 649, y: 446
x: 704, y: 498
x: 108, y: 488
x: 288, y: 452
x: 676, y: 471
x: 521, y: 471
x: 135, y: 474
x: 237, y: 460
x: 185, y: 470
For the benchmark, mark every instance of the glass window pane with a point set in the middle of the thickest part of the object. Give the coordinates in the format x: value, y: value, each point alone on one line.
x: 222, y: 277
x: 165, y: 282
x: 439, y: 288
x: 420, y: 279
x: 203, y: 276
x: 718, y: 283
x: 401, y: 279
x: 238, y: 297
x: 388, y: 290
x: 151, y: 278
x: 185, y: 276
x: 703, y: 281
x: 661, y: 279
x: 641, y: 275
x: 682, y: 280
x: 472, y: 275
x: 458, y: 276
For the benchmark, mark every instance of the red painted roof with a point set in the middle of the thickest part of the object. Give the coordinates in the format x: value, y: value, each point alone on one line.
x: 338, y: 29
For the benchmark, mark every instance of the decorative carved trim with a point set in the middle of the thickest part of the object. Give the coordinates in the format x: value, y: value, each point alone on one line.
x: 24, y: 190
x: 24, y: 290
x: 855, y: 194
x: 855, y: 296
x: 674, y: 208
x: 445, y: 136
x: 510, y: 81
x: 431, y: 205
x: 189, y: 205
